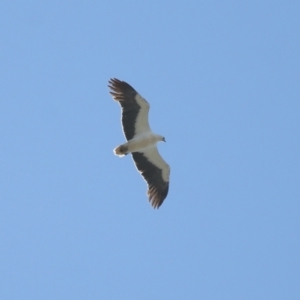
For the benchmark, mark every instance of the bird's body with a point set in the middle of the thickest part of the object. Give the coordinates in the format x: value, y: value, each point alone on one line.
x: 141, y: 141
x: 138, y: 143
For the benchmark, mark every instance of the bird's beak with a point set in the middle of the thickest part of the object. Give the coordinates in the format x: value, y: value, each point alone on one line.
x: 164, y: 139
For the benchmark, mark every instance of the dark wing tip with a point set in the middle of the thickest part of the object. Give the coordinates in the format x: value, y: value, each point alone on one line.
x: 119, y: 88
x: 113, y: 83
x: 157, y: 195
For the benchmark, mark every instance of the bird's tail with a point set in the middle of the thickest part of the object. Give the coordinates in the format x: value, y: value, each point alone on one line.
x: 121, y: 150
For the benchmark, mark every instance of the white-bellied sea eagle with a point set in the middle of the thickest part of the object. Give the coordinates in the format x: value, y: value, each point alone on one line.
x: 141, y: 141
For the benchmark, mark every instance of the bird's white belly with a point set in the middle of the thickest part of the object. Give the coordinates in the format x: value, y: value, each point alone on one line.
x: 141, y: 143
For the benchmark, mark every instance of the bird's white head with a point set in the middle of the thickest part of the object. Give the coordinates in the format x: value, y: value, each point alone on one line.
x: 159, y: 138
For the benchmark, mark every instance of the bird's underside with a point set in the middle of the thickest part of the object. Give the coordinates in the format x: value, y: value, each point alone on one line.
x: 141, y: 141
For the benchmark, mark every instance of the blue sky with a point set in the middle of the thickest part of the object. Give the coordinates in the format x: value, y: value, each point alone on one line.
x: 222, y: 78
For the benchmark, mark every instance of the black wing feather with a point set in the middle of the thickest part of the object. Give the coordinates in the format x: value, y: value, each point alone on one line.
x: 157, y: 187
x: 125, y: 95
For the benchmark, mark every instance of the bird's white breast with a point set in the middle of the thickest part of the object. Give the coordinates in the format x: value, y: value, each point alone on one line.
x: 143, y: 141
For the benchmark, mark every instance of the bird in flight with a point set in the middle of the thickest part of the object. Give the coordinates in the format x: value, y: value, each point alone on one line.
x: 141, y: 141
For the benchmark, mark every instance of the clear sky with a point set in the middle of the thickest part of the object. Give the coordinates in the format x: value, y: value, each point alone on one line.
x: 223, y: 81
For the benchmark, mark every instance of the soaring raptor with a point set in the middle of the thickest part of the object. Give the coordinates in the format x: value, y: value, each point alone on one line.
x: 141, y: 141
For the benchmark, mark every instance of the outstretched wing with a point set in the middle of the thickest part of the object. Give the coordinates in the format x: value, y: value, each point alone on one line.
x: 156, y: 172
x: 134, y: 108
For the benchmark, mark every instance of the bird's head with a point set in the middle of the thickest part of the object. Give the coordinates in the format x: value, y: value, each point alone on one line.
x: 160, y: 138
